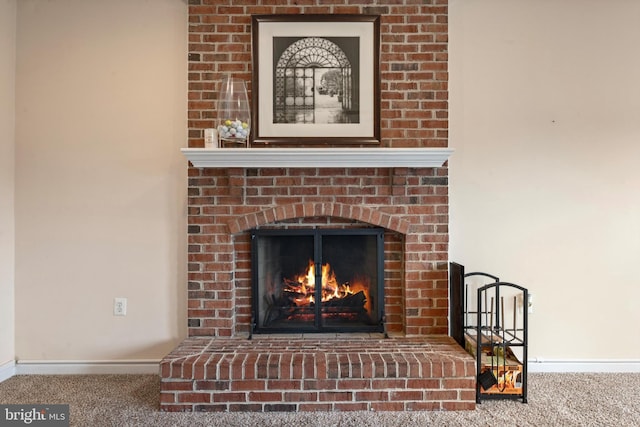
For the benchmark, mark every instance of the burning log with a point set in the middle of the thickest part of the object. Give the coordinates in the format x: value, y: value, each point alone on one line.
x: 297, y: 297
x: 357, y: 300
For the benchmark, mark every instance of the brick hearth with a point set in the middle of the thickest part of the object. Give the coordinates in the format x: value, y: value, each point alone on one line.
x: 217, y: 368
x: 349, y: 372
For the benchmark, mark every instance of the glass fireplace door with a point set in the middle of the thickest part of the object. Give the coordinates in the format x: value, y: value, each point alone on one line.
x: 318, y: 280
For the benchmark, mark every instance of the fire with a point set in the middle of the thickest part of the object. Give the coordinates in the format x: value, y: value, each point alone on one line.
x: 304, y: 286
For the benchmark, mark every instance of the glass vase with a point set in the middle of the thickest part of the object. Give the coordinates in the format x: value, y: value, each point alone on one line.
x: 234, y: 115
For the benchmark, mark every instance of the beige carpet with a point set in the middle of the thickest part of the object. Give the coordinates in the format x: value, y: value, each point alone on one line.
x: 132, y: 400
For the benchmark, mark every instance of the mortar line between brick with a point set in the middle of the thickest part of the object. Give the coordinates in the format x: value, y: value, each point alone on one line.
x: 200, y: 353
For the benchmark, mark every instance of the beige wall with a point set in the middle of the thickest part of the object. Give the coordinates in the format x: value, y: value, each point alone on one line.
x: 545, y: 103
x: 100, y: 180
x: 7, y: 150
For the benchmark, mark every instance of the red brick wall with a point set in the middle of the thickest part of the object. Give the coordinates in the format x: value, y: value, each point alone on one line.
x: 411, y: 203
x: 413, y: 56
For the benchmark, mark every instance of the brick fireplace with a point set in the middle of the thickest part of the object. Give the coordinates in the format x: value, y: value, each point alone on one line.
x: 418, y: 367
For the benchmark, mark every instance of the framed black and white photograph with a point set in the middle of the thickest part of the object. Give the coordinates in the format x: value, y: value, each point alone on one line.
x: 316, y: 79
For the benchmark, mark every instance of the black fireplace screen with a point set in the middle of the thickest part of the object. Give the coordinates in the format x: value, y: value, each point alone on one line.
x: 318, y: 280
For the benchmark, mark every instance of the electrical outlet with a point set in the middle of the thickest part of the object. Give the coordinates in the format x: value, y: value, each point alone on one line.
x: 119, y: 306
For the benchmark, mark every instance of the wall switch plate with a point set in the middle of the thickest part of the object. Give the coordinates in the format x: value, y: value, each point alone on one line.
x: 119, y: 306
x: 530, y: 303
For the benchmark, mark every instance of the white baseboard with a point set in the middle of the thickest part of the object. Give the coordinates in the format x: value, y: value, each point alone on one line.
x: 74, y: 367
x: 595, y: 366
x: 7, y: 370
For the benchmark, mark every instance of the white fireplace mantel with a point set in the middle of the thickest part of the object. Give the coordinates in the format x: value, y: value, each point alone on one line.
x: 316, y: 157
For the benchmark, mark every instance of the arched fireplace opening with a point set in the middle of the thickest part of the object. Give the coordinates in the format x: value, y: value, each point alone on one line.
x: 317, y: 280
